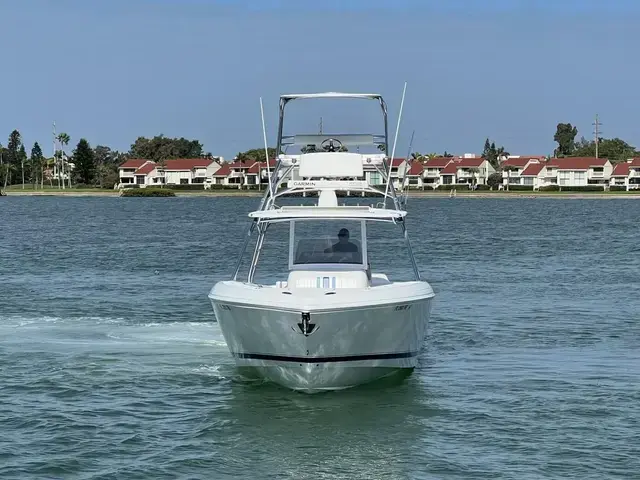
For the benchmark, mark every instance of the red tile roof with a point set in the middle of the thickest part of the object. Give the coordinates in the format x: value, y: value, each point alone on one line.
x: 438, y: 162
x: 255, y: 168
x: 146, y: 168
x: 470, y: 162
x: 450, y: 169
x: 187, y: 163
x: 532, y: 170
x: 416, y: 168
x: 576, y: 163
x: 397, y: 162
x: 134, y: 163
x: 516, y: 162
x: 223, y: 171
x: 621, y: 170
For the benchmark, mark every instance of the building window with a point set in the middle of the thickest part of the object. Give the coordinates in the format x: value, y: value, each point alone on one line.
x: 184, y: 181
x: 580, y: 178
x: 528, y: 180
x: 375, y: 179
x: 139, y: 180
x: 563, y: 178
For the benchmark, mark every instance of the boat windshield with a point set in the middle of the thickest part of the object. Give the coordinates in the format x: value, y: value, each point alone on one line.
x: 327, y: 242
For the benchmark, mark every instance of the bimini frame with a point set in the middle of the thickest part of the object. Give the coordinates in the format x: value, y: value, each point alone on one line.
x: 282, y: 170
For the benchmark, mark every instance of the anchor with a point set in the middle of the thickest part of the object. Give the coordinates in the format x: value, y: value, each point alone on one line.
x: 305, y: 326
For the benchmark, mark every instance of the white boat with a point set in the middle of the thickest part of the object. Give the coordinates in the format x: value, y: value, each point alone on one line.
x: 329, y: 322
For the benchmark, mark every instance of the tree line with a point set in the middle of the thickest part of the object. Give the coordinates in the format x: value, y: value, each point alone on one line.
x: 92, y: 166
x: 98, y: 166
x: 614, y: 149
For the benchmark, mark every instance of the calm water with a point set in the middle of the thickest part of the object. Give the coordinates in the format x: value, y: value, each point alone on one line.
x: 111, y: 370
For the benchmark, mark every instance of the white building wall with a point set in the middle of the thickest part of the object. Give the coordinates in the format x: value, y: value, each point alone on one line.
x: 173, y: 177
x: 573, y: 178
x: 211, y: 169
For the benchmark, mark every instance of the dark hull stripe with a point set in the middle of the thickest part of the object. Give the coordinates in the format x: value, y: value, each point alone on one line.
x: 344, y: 358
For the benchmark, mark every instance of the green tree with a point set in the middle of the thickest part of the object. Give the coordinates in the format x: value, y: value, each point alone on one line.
x: 106, y: 175
x: 84, y: 162
x: 614, y: 149
x: 4, y: 166
x: 494, y: 180
x: 104, y: 155
x: 257, y: 154
x: 493, y: 154
x: 161, y: 147
x: 13, y: 154
x: 37, y: 164
x: 565, y: 137
x: 486, y: 151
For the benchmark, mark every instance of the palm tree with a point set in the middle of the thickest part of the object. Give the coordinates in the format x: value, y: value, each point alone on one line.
x: 501, y: 152
x: 49, y: 163
x: 474, y: 176
x: 509, y: 169
x: 64, y: 139
x: 160, y: 166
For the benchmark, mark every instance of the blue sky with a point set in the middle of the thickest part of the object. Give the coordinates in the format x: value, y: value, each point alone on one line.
x: 111, y: 70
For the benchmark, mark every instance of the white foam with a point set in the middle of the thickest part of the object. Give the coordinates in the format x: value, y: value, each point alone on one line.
x: 55, y: 329
x: 210, y: 371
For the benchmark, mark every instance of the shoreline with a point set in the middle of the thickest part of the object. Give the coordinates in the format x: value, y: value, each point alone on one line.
x: 114, y: 193
x: 414, y: 194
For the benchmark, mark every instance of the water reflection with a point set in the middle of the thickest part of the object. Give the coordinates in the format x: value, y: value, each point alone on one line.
x: 371, y: 431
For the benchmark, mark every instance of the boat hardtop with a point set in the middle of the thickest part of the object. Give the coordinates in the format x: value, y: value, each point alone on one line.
x: 325, y: 167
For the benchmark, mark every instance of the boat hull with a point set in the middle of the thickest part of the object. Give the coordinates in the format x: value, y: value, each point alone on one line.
x: 327, y: 342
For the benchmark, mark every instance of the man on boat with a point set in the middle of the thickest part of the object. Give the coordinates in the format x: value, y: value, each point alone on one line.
x: 343, y: 245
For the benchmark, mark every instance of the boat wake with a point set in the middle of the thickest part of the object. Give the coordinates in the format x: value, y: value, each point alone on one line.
x: 104, y: 331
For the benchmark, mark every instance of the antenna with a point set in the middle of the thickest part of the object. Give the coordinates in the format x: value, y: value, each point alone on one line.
x: 320, y: 125
x: 597, y: 133
x: 266, y: 148
x: 393, y: 151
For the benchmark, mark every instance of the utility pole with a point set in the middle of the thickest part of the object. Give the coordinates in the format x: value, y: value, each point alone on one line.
x: 320, y: 125
x: 597, y: 133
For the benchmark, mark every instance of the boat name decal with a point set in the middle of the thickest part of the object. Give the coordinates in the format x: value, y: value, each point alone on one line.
x: 402, y: 307
x: 224, y: 307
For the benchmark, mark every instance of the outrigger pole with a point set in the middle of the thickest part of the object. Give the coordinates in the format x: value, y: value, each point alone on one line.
x: 266, y: 148
x: 404, y: 177
x: 393, y: 152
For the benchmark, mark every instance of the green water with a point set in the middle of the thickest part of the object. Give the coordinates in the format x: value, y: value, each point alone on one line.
x: 112, y: 366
